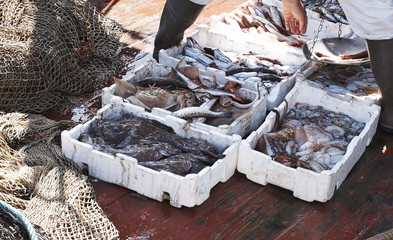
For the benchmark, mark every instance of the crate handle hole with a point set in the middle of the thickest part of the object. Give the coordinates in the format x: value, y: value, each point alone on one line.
x: 167, y: 196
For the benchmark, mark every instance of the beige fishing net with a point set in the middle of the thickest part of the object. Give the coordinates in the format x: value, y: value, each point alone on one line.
x: 48, y: 188
x: 51, y: 49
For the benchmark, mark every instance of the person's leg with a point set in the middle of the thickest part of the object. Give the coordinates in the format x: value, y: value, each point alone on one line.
x: 381, y: 57
x: 177, y: 16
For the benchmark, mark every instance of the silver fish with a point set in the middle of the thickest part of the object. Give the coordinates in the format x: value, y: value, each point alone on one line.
x: 191, y: 84
x: 221, y: 56
x: 206, y: 105
x: 187, y: 59
x: 218, y: 92
x: 193, y: 112
x: 224, y: 66
x: 198, y: 55
x: 191, y: 42
x: 328, y: 14
x: 198, y: 65
x: 245, y: 74
x: 229, y: 101
x: 275, y: 14
x: 340, y: 18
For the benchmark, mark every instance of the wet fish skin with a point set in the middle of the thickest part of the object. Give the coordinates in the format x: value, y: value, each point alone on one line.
x: 218, y: 93
x: 340, y: 18
x: 124, y: 89
x: 201, y: 144
x: 245, y: 74
x: 226, y: 101
x: 317, y: 166
x: 174, y: 165
x: 290, y: 161
x: 139, y: 152
x: 259, y: 69
x: 192, y: 112
x: 221, y: 56
x: 206, y: 105
x: 190, y: 83
x: 319, y: 140
x: 275, y: 14
x: 160, y: 81
x: 224, y: 66
x: 269, y: 76
x: 328, y: 14
x: 191, y: 42
x: 153, y: 144
x: 199, y: 55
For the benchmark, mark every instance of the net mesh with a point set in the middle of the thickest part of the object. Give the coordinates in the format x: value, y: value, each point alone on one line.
x: 48, y: 188
x: 51, y: 49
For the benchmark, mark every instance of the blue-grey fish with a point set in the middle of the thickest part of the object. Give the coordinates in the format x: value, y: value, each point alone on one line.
x: 198, y: 55
x: 221, y: 56
x: 191, y: 42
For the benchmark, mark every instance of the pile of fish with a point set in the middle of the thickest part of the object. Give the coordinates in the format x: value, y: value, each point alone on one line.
x: 327, y: 9
x: 355, y: 80
x: 153, y: 144
x: 254, y: 16
x: 252, y: 67
x: 163, y: 92
x: 188, y: 95
x: 310, y: 137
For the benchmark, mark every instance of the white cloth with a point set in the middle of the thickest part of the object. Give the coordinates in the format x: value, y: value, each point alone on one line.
x: 370, y: 19
x: 201, y: 2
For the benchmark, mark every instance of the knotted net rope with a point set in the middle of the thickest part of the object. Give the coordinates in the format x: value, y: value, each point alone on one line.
x: 51, y: 49
x: 49, y: 189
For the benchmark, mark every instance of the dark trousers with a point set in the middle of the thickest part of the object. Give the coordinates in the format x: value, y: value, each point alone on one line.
x: 177, y: 16
x: 381, y: 58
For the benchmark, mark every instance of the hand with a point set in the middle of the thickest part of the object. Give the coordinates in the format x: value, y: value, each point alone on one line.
x: 295, y: 16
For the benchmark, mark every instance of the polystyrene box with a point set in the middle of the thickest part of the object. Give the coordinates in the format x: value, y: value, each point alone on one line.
x: 242, y: 125
x: 306, y: 184
x: 233, y: 43
x: 189, y: 190
x: 373, y: 98
x: 325, y: 28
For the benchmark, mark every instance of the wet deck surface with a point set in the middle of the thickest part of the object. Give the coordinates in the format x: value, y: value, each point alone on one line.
x: 239, y: 208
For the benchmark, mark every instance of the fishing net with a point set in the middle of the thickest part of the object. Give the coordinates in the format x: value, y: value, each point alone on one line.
x: 52, y: 49
x: 45, y: 186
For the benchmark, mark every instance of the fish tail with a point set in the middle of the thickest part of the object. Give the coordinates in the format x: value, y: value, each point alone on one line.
x: 226, y: 114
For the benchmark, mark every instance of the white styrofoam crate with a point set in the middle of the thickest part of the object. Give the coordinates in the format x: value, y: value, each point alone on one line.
x: 306, y: 184
x: 313, y: 67
x: 189, y: 190
x: 327, y: 30
x: 233, y: 43
x: 242, y: 125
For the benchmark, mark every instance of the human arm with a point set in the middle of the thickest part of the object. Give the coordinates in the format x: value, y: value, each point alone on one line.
x: 295, y: 16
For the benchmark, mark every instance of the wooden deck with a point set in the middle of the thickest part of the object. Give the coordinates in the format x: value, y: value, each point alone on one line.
x: 239, y: 208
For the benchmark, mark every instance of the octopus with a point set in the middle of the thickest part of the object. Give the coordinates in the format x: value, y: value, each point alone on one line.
x: 310, y: 137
